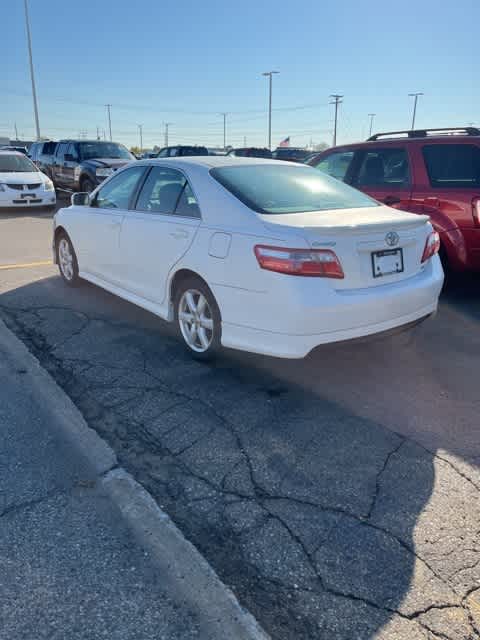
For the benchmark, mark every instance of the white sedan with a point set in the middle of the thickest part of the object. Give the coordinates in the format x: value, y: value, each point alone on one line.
x: 22, y: 184
x: 265, y: 256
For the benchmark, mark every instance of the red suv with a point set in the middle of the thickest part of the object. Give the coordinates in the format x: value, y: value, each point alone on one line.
x: 433, y: 171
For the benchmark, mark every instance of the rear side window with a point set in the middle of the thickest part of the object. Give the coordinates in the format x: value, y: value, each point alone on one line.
x: 167, y: 191
x: 452, y: 165
x: 384, y: 167
x: 336, y: 164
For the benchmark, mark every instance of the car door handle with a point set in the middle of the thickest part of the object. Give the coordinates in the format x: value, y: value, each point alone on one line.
x: 389, y: 200
x: 179, y: 235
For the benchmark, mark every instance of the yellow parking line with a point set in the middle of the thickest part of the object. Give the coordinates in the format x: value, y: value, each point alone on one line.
x: 25, y: 265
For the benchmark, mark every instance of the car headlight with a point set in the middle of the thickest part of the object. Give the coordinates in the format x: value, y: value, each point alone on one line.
x: 104, y: 172
x: 48, y: 184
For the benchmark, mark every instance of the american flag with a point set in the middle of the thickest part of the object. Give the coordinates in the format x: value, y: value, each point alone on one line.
x: 285, y: 143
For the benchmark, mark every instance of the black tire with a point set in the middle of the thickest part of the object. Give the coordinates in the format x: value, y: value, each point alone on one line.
x: 86, y: 185
x: 73, y: 280
x: 197, y: 285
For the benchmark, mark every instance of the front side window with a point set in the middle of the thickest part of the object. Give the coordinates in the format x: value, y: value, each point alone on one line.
x: 117, y: 192
x: 162, y: 191
x: 99, y: 149
x: 62, y: 149
x: 288, y: 189
x: 452, y: 165
x: 16, y: 163
x: 163, y: 153
x: 336, y: 164
x: 384, y: 167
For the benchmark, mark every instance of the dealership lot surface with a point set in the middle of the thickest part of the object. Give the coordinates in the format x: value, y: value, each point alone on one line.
x: 337, y: 496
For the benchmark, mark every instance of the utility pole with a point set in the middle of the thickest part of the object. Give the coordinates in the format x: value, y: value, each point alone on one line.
x: 16, y: 131
x: 167, y: 124
x: 98, y: 133
x: 109, y: 120
x: 270, y: 74
x: 337, y: 99
x: 32, y: 75
x: 224, y: 130
x: 140, y: 130
x: 415, y: 99
x: 244, y: 141
x: 104, y: 135
x: 371, y: 116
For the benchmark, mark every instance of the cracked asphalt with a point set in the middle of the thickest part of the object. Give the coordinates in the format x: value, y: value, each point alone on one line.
x: 337, y: 496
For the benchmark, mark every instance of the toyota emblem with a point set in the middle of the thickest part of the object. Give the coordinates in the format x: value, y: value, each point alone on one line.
x: 392, y: 238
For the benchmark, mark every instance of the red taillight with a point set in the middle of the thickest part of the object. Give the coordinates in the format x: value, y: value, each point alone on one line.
x: 476, y: 211
x: 320, y: 263
x: 432, y: 246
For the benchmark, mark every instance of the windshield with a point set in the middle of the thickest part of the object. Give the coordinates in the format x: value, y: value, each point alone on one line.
x: 16, y: 163
x: 283, y: 189
x: 90, y: 150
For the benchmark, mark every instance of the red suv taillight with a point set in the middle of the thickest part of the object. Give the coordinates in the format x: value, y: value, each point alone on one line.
x: 320, y: 263
x: 432, y: 246
x: 476, y: 211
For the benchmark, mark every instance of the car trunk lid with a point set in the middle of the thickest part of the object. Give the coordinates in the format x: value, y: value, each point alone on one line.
x: 375, y: 245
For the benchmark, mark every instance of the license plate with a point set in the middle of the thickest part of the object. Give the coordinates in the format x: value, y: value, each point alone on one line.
x: 27, y: 195
x: 384, y: 263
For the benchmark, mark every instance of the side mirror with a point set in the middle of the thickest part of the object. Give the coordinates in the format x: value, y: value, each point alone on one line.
x: 81, y: 199
x: 68, y: 157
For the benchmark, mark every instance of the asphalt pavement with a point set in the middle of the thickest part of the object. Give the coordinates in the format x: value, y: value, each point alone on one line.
x: 337, y: 496
x: 85, y: 553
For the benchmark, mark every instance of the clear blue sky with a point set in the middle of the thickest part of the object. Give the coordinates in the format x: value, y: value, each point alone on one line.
x: 185, y: 62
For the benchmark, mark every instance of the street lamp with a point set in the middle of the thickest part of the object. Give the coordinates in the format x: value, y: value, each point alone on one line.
x: 109, y: 120
x: 140, y: 131
x: 167, y: 124
x: 224, y: 130
x: 32, y: 75
x: 371, y: 116
x: 270, y: 74
x: 415, y: 96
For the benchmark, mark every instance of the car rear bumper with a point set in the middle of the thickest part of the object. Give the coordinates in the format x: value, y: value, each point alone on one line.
x: 299, y: 323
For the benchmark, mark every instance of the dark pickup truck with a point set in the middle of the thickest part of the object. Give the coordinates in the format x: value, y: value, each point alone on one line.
x: 81, y: 165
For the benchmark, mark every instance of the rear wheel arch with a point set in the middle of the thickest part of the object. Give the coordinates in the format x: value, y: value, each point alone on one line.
x: 179, y: 277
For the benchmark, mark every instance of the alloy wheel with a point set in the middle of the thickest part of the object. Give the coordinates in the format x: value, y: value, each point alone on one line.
x: 195, y: 320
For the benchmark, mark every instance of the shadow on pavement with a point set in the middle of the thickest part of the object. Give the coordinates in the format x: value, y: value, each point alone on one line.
x: 337, y: 496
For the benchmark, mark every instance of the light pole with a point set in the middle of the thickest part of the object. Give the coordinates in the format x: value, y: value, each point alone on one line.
x: 32, y: 75
x: 415, y: 97
x: 270, y: 74
x: 140, y: 131
x: 337, y: 99
x: 167, y: 124
x: 224, y: 130
x: 109, y: 120
x: 371, y: 116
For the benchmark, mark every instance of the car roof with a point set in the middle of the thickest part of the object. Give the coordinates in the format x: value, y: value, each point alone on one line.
x: 212, y: 162
x: 13, y: 152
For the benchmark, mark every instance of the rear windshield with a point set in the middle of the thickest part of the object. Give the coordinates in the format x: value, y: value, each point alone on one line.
x: 277, y: 189
x: 193, y: 151
x: 453, y: 165
x: 299, y: 154
x: 16, y: 163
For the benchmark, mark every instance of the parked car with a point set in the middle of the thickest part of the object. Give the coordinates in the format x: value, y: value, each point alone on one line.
x: 291, y: 154
x: 181, y: 151
x: 81, y: 165
x: 10, y: 148
x: 427, y: 171
x: 260, y: 255
x: 22, y: 184
x: 41, y: 154
x: 251, y: 152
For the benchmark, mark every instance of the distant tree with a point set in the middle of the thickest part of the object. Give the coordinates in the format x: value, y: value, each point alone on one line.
x: 321, y: 146
x: 135, y: 150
